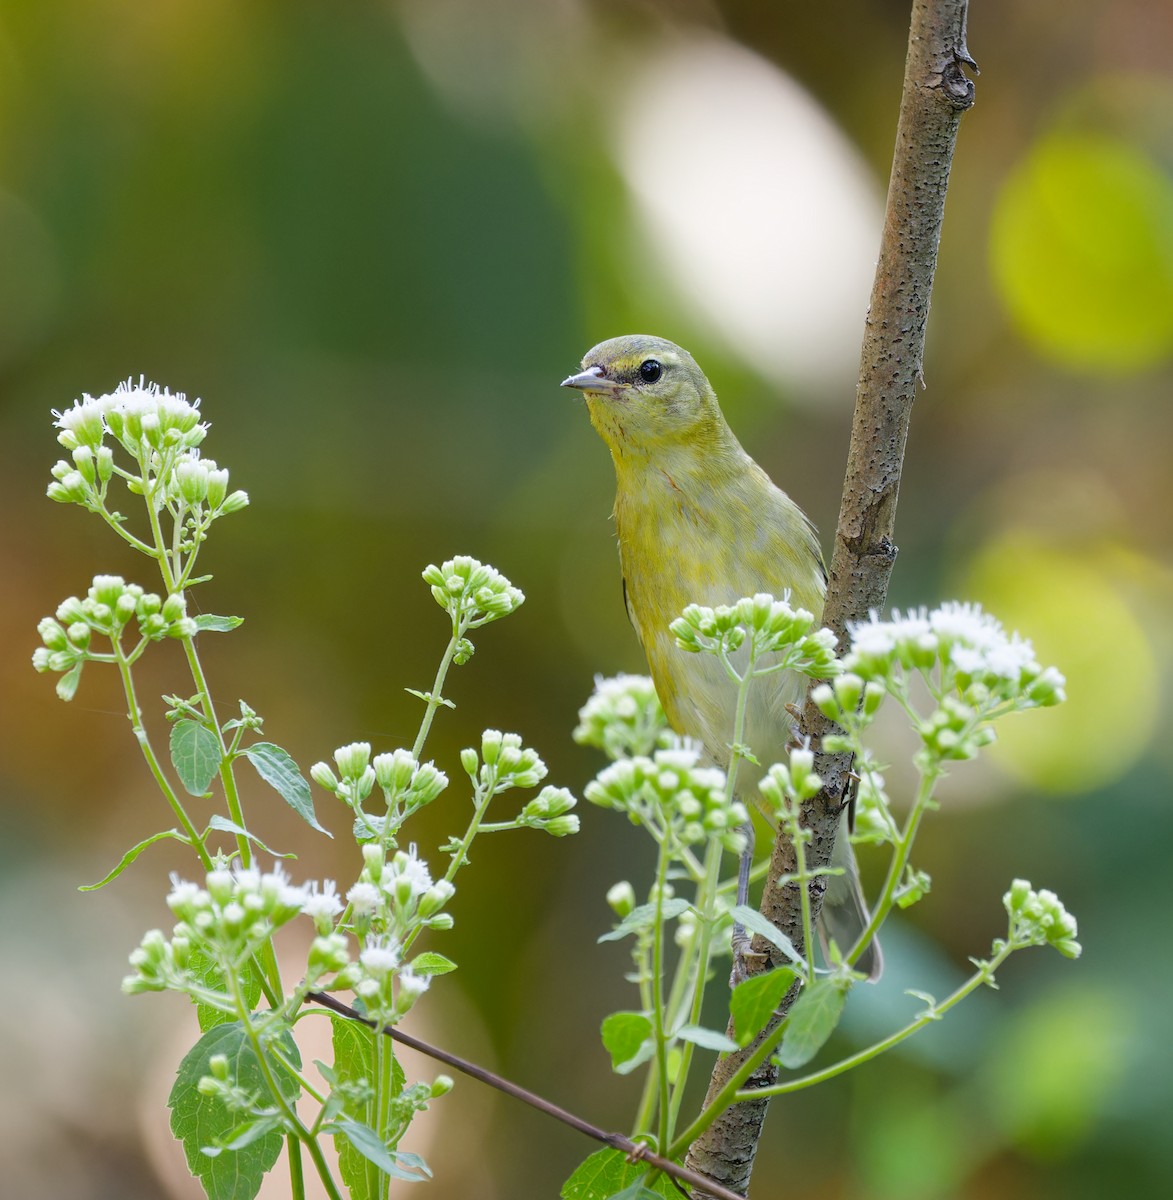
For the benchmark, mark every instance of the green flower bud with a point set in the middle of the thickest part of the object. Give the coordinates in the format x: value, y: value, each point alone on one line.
x: 217, y: 487
x: 79, y: 634
x: 52, y: 634
x: 174, y: 608
x: 353, y: 759
x: 321, y: 774
x: 218, y: 1067
x: 441, y: 1086
x: 105, y: 463
x: 191, y: 478
x: 107, y: 589
x: 83, y: 459
x: 621, y: 898
x: 469, y: 761
x: 234, y: 502
x: 435, y: 898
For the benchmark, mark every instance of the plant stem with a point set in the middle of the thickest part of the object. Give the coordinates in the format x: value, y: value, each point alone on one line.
x: 982, y: 976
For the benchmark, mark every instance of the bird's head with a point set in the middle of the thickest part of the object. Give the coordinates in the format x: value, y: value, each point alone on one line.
x: 645, y: 392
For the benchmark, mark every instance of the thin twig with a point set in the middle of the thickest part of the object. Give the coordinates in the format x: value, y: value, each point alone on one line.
x: 635, y: 1151
x: 936, y: 94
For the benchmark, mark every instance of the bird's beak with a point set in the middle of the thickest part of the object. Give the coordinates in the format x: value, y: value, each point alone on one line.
x: 591, y: 380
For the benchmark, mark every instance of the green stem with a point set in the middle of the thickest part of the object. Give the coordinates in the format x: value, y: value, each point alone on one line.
x: 152, y: 761
x: 296, y: 1170
x: 292, y: 1121
x: 698, y: 975
x: 900, y: 855
x: 658, y: 997
x: 435, y: 696
x: 982, y: 976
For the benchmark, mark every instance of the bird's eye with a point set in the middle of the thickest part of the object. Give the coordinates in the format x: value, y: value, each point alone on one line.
x: 650, y: 370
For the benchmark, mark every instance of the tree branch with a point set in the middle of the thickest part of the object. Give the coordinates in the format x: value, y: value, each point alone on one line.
x: 936, y: 94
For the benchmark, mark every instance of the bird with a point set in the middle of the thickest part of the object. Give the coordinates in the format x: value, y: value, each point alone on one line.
x: 698, y: 521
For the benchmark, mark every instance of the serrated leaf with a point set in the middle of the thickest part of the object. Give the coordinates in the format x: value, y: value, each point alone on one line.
x: 277, y: 768
x: 199, y: 1121
x: 752, y: 920
x: 195, y: 753
x: 643, y: 915
x: 707, y: 1039
x: 755, y: 1000
x: 431, y: 963
x: 224, y: 825
x: 210, y: 623
x: 813, y: 1019
x: 607, y: 1173
x: 354, y: 1060
x: 132, y: 854
x: 627, y: 1038
x: 368, y: 1143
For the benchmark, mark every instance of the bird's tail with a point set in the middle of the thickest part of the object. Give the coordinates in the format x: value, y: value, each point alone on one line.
x: 845, y: 914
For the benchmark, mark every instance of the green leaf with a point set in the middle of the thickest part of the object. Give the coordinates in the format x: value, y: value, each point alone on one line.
x: 707, y: 1039
x: 354, y: 1061
x: 431, y: 963
x: 627, y: 1038
x: 643, y: 916
x: 752, y: 920
x: 755, y: 1000
x: 368, y: 1143
x: 813, y: 1019
x: 207, y: 973
x: 195, y: 751
x: 210, y: 623
x: 67, y: 684
x: 132, y: 854
x: 426, y: 697
x: 224, y: 825
x: 277, y: 768
x: 204, y: 1121
x: 607, y: 1174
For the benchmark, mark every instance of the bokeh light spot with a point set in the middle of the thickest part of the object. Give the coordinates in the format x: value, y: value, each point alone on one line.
x: 1068, y: 604
x: 755, y: 205
x: 1082, y: 253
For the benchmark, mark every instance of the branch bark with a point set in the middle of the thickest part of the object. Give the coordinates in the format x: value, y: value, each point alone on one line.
x: 936, y: 94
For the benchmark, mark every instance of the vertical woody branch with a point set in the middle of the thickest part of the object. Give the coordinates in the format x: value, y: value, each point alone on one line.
x: 936, y: 94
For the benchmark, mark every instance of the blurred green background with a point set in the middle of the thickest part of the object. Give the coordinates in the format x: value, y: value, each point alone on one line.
x: 374, y: 237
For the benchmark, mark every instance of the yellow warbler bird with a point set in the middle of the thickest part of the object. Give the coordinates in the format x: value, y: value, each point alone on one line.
x: 699, y: 522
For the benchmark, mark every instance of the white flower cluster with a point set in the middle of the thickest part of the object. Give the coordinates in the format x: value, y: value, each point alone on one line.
x: 672, y: 793
x: 472, y: 592
x: 967, y: 645
x: 623, y: 717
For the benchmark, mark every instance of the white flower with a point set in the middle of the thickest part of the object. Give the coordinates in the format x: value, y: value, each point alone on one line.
x: 411, y: 867
x: 363, y: 898
x: 379, y: 959
x: 323, y: 904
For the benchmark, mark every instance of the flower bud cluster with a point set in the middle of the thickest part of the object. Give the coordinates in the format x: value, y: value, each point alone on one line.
x: 228, y: 919
x: 672, y: 793
x: 504, y: 763
x: 197, y: 482
x: 623, y: 717
x: 159, y: 429
x: 387, y: 988
x: 771, y: 626
x: 473, y: 593
x: 395, y: 896
x: 406, y: 784
x: 967, y: 649
x: 549, y: 810
x: 1039, y: 919
x: 972, y: 668
x: 107, y: 609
